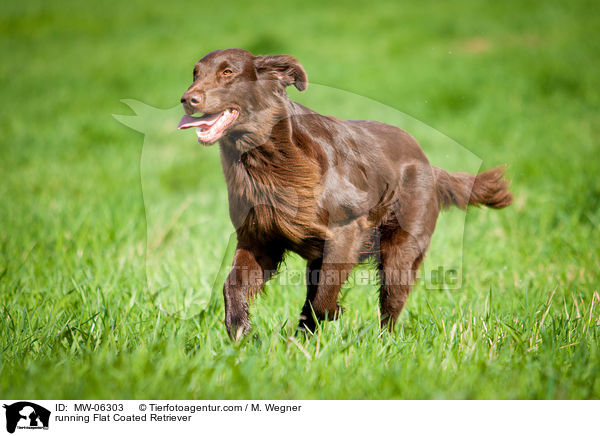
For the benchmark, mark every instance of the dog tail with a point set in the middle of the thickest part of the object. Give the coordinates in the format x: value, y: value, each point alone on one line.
x: 489, y: 188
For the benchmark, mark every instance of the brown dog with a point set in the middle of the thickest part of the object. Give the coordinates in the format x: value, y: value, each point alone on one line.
x: 333, y: 191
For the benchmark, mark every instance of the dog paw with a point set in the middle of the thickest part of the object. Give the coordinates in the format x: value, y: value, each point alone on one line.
x: 237, y: 326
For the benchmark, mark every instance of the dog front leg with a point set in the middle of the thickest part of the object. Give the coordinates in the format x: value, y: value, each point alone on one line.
x: 325, y: 276
x: 251, y: 269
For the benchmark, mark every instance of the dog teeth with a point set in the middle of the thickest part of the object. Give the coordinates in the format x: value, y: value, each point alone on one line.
x: 206, y: 134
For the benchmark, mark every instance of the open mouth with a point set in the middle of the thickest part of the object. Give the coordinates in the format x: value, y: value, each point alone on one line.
x: 209, y: 127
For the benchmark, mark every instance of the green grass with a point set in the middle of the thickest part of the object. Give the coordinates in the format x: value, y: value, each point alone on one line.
x: 108, y: 258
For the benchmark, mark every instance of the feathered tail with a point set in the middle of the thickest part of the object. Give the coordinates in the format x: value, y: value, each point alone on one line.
x: 489, y: 188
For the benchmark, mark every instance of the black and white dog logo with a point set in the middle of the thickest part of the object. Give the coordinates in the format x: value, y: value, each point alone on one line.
x: 26, y: 415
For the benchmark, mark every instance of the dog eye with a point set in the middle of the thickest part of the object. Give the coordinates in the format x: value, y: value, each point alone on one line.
x: 227, y: 72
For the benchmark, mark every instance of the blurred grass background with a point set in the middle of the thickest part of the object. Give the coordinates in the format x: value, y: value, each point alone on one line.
x: 512, y: 82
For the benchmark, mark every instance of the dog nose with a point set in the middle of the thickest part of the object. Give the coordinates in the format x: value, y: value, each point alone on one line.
x: 191, y: 99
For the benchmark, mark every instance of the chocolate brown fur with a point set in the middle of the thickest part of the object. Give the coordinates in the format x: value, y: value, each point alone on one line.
x: 334, y: 191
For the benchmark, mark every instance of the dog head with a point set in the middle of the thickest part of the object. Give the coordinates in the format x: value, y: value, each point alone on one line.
x: 235, y: 92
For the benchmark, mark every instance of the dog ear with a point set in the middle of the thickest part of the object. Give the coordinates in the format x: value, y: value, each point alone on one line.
x: 284, y: 68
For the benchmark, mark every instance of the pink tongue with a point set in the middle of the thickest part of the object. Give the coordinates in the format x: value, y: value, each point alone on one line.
x: 204, y: 121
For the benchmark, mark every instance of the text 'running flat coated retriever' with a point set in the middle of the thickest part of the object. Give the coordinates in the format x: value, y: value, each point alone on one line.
x: 334, y: 191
